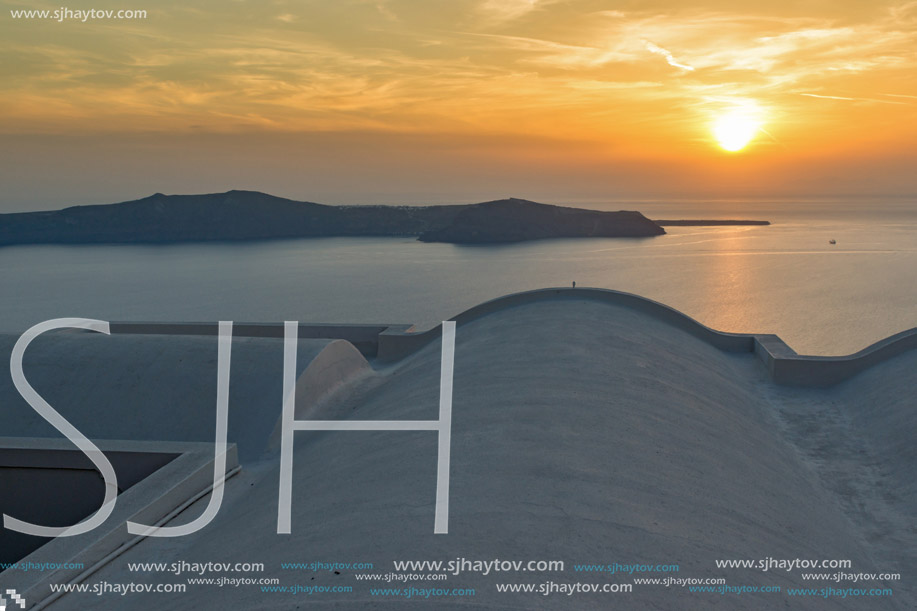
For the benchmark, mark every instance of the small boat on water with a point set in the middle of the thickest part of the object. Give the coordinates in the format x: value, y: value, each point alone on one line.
x: 832, y: 241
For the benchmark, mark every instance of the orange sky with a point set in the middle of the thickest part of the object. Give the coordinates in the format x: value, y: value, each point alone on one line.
x: 419, y: 100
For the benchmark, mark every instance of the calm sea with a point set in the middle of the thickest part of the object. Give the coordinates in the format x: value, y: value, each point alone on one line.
x: 785, y: 278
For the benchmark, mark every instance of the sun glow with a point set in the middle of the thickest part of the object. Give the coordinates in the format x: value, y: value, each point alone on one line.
x: 735, y: 129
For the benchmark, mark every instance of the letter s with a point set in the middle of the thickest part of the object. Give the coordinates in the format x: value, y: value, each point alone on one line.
x: 47, y: 412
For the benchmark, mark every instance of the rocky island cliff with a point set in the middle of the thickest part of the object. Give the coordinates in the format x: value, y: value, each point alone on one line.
x: 250, y: 215
x: 517, y: 220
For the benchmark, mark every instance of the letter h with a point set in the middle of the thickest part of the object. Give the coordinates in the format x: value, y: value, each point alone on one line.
x: 290, y: 425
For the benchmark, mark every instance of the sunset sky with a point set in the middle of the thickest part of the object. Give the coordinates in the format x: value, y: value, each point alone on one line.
x: 364, y: 101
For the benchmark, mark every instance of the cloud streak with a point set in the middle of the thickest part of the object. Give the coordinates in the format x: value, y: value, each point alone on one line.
x: 846, y: 99
x: 669, y: 58
x: 501, y: 11
x: 549, y: 68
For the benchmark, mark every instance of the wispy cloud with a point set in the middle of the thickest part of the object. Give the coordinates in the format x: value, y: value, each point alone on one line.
x: 495, y: 12
x: 500, y: 11
x: 654, y: 48
x: 386, y: 11
x: 474, y: 65
x: 828, y: 97
x: 554, y: 54
x: 847, y: 99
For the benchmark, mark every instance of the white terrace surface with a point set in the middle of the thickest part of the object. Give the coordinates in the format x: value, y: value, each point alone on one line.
x: 582, y: 431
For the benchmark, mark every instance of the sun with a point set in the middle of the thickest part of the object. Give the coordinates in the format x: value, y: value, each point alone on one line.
x: 735, y: 129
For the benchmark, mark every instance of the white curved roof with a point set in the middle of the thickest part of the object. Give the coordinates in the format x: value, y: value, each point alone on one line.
x: 585, y: 432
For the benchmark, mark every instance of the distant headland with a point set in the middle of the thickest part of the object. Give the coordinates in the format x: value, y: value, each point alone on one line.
x: 250, y: 215
x: 713, y: 223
